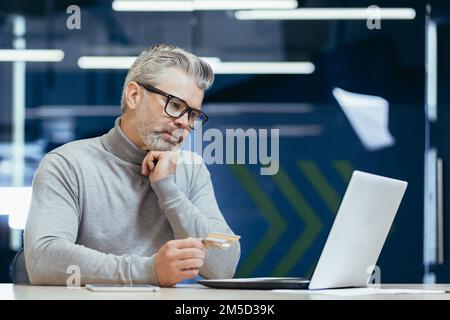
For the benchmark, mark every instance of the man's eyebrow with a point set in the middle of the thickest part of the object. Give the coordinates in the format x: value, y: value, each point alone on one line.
x: 174, y: 96
x: 195, y: 108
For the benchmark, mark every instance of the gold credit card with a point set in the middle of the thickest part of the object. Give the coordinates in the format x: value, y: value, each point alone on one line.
x: 220, y: 240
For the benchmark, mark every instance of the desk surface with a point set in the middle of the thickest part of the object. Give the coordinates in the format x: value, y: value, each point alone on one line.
x: 197, y: 292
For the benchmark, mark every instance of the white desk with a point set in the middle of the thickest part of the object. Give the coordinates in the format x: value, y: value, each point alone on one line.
x: 197, y: 292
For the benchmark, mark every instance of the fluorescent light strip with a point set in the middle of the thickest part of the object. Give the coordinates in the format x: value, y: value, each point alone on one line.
x: 31, y: 55
x: 432, y: 70
x: 328, y: 14
x: 105, y: 62
x: 263, y: 68
x: 219, y: 67
x: 241, y: 5
x: 122, y: 62
x: 122, y: 5
x: 180, y: 5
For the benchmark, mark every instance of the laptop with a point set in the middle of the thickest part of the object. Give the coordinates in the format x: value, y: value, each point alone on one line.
x: 353, y: 245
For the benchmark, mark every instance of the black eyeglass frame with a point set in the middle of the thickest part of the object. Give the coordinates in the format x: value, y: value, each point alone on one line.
x: 169, y: 97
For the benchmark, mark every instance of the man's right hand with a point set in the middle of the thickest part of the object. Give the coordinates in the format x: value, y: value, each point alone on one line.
x: 177, y: 260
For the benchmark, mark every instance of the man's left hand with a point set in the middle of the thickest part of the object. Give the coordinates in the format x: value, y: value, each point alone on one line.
x: 159, y: 164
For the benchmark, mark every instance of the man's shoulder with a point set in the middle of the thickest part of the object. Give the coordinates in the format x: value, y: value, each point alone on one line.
x: 78, y: 149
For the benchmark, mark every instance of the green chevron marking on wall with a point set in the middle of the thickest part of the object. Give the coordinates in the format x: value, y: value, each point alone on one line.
x: 310, y: 271
x: 277, y: 225
x: 313, y: 226
x: 298, y: 202
x: 344, y: 168
x: 320, y: 184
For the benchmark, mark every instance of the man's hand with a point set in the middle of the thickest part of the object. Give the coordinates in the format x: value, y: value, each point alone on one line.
x: 159, y: 164
x: 177, y: 260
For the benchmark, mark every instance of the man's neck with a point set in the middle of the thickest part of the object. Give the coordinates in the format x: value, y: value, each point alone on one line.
x: 125, y: 125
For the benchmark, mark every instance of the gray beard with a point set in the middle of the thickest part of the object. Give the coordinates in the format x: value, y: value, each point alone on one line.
x: 154, y: 142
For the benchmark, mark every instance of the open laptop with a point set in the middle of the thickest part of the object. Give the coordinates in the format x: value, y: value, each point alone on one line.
x: 354, y: 243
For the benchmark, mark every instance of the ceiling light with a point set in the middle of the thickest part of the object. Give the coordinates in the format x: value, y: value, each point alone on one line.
x: 328, y: 14
x: 191, y: 5
x: 31, y: 55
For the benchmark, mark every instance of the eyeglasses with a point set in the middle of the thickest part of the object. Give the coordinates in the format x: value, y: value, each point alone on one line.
x: 176, y: 107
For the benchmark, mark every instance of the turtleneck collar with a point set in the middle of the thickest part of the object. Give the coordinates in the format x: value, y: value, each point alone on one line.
x: 116, y: 142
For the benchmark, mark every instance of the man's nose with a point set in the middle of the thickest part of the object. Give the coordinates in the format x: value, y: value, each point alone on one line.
x: 183, y: 121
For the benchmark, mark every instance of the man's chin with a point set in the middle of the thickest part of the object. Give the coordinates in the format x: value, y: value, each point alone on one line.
x: 163, y: 145
x: 159, y: 142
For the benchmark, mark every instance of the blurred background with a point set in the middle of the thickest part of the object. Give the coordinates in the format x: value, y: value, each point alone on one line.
x: 347, y: 87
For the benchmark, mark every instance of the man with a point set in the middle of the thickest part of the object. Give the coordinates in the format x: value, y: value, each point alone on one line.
x: 127, y: 207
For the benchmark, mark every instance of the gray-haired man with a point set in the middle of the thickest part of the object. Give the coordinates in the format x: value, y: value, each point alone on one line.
x: 127, y: 207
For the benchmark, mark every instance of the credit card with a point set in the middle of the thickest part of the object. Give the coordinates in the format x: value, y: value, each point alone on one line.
x: 220, y: 240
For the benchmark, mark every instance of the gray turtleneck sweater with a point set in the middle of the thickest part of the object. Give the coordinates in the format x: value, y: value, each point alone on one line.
x: 91, y: 208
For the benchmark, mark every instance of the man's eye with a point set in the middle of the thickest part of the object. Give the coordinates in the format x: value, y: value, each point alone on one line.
x: 195, y: 114
x: 177, y: 105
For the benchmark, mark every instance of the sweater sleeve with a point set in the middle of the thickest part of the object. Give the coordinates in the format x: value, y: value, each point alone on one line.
x: 195, y: 215
x: 51, y: 252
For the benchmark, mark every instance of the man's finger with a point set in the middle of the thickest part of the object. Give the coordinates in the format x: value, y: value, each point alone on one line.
x: 144, y: 164
x: 189, y: 264
x: 148, y: 164
x: 188, y: 274
x: 188, y: 243
x: 189, y: 253
x: 171, y: 155
x: 144, y: 169
x: 156, y: 154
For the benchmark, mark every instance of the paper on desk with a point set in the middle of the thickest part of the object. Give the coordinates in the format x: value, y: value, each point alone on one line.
x: 361, y: 291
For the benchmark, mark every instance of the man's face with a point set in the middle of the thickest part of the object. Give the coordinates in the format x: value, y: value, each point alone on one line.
x: 153, y: 125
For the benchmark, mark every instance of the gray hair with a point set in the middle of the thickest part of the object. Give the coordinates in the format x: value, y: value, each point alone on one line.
x: 150, y: 64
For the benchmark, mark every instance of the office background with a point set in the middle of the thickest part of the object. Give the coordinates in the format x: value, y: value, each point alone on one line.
x: 375, y: 100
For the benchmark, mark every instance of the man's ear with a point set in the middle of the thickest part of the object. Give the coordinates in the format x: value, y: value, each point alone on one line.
x: 133, y: 95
